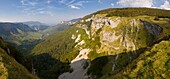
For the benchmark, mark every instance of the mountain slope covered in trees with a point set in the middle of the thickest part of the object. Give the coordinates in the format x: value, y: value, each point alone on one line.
x: 11, y: 63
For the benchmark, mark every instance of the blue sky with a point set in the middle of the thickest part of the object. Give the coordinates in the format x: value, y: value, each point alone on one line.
x: 54, y: 11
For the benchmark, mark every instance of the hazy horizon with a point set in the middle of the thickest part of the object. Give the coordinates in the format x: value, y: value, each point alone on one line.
x: 55, y: 11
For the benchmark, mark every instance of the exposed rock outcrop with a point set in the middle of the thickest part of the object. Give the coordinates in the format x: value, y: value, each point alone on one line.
x: 113, y: 35
x: 77, y: 65
x: 152, y: 28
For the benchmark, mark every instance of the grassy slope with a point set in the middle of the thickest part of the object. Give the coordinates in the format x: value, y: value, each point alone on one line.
x: 153, y: 63
x: 150, y: 62
x: 124, y: 59
x: 146, y: 14
x: 129, y: 12
x: 54, y: 29
x: 10, y: 68
x: 59, y: 45
x: 55, y: 53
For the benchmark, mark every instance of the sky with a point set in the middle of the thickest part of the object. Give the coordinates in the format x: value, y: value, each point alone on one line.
x: 55, y: 11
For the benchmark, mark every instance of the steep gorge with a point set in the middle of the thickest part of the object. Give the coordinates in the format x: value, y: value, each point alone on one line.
x: 11, y: 63
x: 101, y: 44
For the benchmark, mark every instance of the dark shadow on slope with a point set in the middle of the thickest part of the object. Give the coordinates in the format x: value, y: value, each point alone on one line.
x: 125, y: 58
x: 13, y: 52
x: 46, y: 67
x: 162, y: 39
x: 79, y: 70
x: 97, y: 65
x: 27, y: 46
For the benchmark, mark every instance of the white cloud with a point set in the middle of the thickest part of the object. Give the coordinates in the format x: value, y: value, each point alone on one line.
x: 23, y: 2
x: 112, y: 4
x: 135, y: 3
x: 76, y: 4
x: 62, y: 1
x: 74, y: 7
x: 99, y: 1
x: 35, y: 7
x: 33, y: 11
x: 32, y: 3
x: 46, y: 12
x: 71, y: 2
x: 28, y: 3
x: 80, y: 3
x: 166, y: 5
x: 49, y: 1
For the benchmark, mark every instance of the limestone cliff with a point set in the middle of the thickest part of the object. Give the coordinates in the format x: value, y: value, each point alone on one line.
x: 114, y: 35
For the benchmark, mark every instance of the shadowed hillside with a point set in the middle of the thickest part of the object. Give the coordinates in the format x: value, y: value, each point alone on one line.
x: 11, y: 63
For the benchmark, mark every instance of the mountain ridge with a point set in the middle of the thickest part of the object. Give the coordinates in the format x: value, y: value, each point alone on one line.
x: 124, y: 33
x: 36, y: 25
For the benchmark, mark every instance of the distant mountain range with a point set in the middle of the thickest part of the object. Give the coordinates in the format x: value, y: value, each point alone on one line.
x: 26, y: 34
x: 70, y: 22
x: 38, y: 26
x: 60, y: 26
x: 19, y: 34
x: 7, y: 29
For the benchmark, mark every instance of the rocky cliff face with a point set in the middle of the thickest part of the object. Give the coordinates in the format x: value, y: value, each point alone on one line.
x: 104, y: 43
x: 103, y: 36
x: 121, y: 34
